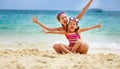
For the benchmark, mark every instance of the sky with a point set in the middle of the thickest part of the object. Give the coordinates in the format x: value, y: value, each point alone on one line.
x: 106, y: 5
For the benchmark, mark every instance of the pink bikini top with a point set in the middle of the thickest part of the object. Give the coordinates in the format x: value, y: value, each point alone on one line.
x: 72, y: 38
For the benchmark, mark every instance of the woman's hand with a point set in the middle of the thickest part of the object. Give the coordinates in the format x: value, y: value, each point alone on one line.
x: 35, y: 20
x: 91, y: 0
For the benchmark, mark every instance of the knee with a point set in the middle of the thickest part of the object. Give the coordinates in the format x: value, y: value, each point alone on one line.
x: 86, y: 47
x: 56, y: 46
x: 79, y: 41
x: 86, y: 44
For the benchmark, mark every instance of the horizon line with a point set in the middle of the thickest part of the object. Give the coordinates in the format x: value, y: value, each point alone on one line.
x: 52, y: 10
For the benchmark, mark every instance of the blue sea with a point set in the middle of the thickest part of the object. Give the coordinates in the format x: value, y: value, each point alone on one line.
x: 16, y: 26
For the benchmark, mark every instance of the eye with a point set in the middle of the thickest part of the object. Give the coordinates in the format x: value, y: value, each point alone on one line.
x: 65, y: 17
x: 70, y: 23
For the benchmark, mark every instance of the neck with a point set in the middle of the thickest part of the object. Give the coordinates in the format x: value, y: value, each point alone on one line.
x: 64, y: 27
x: 71, y: 31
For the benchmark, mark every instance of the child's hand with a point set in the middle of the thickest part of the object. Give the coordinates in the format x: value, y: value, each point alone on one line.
x: 35, y: 20
x: 99, y: 25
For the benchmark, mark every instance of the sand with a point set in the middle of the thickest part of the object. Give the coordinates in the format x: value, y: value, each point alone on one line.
x: 34, y: 58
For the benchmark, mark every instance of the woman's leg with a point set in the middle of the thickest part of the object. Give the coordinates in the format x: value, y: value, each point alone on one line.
x: 56, y: 47
x: 83, y: 48
x: 61, y: 48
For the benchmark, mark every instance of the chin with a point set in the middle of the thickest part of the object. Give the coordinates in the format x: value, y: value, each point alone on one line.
x: 65, y: 22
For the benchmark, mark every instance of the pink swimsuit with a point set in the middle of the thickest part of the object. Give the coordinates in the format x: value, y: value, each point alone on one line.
x: 72, y: 38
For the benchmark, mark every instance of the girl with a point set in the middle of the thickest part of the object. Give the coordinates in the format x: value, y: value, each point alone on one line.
x: 63, y: 19
x: 72, y: 33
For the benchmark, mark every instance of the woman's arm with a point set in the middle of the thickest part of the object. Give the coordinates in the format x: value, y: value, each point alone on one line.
x: 35, y: 20
x: 54, y: 32
x: 89, y: 28
x: 80, y: 15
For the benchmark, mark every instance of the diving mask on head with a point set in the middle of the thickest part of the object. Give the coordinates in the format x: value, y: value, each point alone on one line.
x: 74, y: 19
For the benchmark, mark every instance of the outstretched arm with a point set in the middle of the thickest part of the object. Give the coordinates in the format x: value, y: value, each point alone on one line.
x: 80, y: 15
x: 35, y: 20
x: 89, y: 28
x: 54, y: 32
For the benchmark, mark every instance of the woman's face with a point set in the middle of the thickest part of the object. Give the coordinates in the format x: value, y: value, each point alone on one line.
x: 63, y: 19
x: 72, y: 26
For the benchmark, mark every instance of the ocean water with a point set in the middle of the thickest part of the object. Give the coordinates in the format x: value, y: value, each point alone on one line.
x: 16, y: 26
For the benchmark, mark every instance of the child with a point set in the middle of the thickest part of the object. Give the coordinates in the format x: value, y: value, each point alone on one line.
x: 63, y: 20
x: 72, y: 33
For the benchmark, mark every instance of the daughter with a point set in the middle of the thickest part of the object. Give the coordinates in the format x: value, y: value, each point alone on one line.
x: 72, y: 33
x: 63, y: 20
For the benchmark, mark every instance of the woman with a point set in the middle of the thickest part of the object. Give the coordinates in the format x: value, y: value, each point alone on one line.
x: 73, y: 34
x: 63, y: 19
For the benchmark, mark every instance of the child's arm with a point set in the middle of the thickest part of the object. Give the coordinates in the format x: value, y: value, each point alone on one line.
x: 80, y: 15
x: 54, y: 32
x: 89, y: 28
x: 35, y: 20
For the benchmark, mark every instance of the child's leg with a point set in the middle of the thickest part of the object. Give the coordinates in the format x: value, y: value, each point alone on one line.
x: 76, y: 46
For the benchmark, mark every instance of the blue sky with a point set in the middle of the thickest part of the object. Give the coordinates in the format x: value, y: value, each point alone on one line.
x: 107, y: 5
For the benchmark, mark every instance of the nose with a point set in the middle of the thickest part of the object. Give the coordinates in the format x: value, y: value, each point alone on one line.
x: 65, y: 19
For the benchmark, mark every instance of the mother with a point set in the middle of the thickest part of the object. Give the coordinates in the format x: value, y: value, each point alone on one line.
x: 63, y: 19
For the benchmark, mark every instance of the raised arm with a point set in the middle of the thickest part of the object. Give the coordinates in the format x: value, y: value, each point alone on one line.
x: 91, y: 27
x: 80, y: 15
x: 35, y: 20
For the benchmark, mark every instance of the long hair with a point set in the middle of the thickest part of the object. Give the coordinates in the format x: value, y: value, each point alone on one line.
x: 58, y: 17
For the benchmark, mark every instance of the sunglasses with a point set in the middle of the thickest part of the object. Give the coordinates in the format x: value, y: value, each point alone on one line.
x: 74, y: 19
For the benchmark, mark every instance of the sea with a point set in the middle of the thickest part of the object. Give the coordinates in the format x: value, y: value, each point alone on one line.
x: 16, y: 26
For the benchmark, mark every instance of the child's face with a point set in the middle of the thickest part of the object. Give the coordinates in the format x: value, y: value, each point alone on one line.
x: 72, y: 26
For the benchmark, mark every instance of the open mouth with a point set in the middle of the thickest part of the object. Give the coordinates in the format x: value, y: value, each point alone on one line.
x: 65, y: 22
x: 71, y: 27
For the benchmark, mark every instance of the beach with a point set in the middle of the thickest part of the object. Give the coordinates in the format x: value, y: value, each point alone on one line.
x: 23, y: 45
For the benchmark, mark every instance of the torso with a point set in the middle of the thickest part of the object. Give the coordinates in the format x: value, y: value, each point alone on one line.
x: 72, y: 38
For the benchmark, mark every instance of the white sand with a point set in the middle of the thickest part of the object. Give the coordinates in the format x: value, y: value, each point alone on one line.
x: 48, y: 59
x: 41, y: 56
